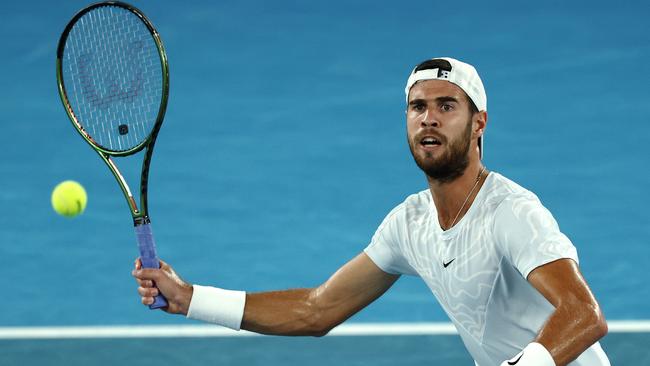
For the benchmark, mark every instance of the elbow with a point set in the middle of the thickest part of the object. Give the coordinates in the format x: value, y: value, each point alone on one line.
x: 596, y: 319
x: 321, y: 327
x: 320, y: 333
x: 587, y: 319
x: 601, y: 327
x: 320, y: 320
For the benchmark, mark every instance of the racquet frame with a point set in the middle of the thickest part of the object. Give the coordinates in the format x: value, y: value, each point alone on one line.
x: 140, y: 214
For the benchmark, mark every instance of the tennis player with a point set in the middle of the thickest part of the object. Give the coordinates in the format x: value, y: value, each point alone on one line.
x: 490, y: 252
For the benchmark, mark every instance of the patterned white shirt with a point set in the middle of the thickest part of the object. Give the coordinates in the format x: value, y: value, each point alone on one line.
x: 477, y: 269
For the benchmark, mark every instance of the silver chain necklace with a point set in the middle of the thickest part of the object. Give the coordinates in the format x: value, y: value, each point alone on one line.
x: 478, y: 179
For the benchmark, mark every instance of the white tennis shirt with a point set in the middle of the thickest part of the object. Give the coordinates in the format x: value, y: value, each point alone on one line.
x: 477, y: 269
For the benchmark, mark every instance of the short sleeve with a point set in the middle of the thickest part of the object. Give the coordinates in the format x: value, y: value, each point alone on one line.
x: 528, y: 235
x: 386, y: 247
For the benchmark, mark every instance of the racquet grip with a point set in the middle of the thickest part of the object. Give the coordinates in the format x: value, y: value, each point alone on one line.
x: 148, y: 257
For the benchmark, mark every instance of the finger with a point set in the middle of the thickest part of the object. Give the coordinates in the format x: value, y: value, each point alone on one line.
x: 148, y: 292
x: 147, y: 274
x: 137, y: 274
x: 144, y: 283
x: 147, y: 300
x: 138, y: 263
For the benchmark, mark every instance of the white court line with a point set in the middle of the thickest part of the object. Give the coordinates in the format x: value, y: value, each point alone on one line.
x: 178, y: 331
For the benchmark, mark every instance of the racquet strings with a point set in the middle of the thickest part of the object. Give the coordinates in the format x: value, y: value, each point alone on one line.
x: 112, y: 76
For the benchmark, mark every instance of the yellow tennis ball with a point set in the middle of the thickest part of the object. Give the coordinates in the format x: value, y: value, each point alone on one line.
x: 69, y: 198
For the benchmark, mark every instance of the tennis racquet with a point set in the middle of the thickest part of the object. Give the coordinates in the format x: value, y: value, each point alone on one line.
x: 113, y: 79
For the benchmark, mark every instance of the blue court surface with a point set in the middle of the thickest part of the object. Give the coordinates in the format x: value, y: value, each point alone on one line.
x: 284, y: 147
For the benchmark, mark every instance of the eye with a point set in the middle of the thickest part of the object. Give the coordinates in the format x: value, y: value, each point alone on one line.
x: 446, y: 107
x: 418, y: 107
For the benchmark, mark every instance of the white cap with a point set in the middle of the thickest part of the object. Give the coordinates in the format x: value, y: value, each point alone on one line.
x: 457, y: 72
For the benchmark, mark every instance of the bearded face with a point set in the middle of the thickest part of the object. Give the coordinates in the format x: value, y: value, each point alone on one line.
x: 439, y: 129
x: 448, y: 164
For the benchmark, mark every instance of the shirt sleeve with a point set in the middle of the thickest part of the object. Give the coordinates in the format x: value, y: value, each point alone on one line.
x: 528, y: 235
x: 386, y: 247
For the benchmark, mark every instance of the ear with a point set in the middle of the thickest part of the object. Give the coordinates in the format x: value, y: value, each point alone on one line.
x: 479, y: 122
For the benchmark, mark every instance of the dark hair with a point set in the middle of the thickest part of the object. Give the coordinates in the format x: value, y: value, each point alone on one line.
x: 444, y: 65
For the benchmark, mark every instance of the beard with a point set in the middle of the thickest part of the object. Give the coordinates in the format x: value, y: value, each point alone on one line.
x: 453, y: 161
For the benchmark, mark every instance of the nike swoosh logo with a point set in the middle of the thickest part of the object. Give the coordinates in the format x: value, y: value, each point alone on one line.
x: 448, y: 263
x: 515, y: 361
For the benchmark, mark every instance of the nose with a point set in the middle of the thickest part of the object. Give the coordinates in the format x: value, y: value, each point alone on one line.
x: 429, y: 119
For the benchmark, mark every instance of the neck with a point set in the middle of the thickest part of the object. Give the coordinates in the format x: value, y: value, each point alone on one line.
x: 454, y: 198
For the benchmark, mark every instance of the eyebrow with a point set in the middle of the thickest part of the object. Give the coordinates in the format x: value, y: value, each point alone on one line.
x: 438, y: 100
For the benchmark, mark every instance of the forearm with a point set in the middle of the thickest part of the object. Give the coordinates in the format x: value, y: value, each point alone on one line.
x: 310, y: 312
x: 571, y: 329
x: 291, y: 312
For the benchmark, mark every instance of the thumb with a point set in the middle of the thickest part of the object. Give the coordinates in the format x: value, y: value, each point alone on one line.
x: 163, y: 264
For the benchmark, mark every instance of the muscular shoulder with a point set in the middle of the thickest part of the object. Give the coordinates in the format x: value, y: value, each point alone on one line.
x: 508, y: 204
x: 392, y: 238
x: 525, y: 231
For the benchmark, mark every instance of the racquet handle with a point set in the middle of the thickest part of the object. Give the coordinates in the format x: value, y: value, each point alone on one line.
x: 148, y: 257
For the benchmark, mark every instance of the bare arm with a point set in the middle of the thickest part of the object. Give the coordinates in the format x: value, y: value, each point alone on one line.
x: 577, y: 321
x: 316, y: 311
x: 292, y: 312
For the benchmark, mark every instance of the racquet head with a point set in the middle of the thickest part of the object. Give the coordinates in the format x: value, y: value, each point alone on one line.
x: 113, y: 77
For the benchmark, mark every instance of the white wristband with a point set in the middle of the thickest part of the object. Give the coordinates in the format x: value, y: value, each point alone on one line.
x: 216, y: 305
x: 534, y: 354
